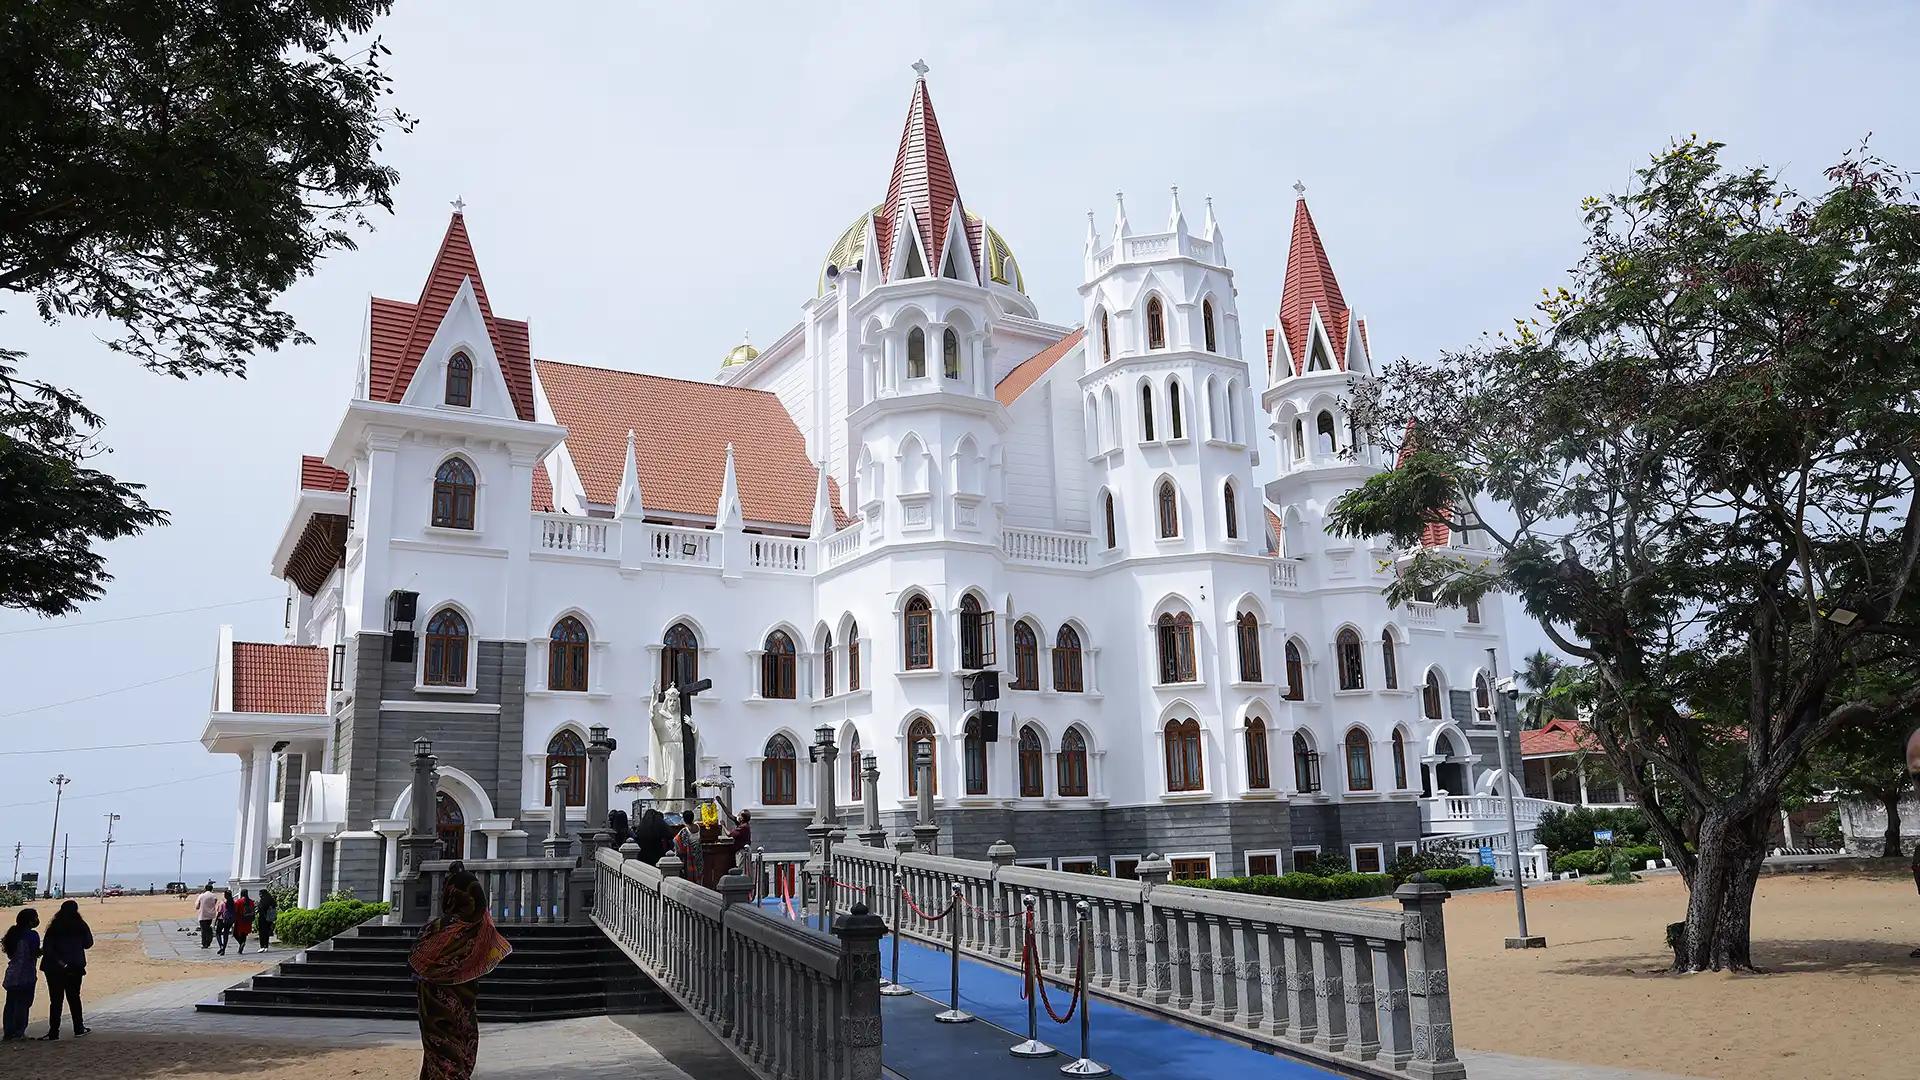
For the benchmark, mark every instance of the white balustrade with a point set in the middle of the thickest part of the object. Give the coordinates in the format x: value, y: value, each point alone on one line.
x: 1286, y: 574
x: 668, y: 543
x: 564, y: 532
x: 1422, y: 612
x: 842, y: 545
x: 782, y: 553
x: 1144, y: 247
x: 1200, y: 249
x: 1045, y: 547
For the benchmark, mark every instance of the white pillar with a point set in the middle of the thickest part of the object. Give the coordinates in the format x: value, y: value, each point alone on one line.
x: 389, y: 862
x: 240, y: 816
x: 1580, y: 769
x: 309, y: 869
x: 253, y: 862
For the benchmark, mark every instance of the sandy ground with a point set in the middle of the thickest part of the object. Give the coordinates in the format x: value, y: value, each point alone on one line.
x: 1841, y: 1001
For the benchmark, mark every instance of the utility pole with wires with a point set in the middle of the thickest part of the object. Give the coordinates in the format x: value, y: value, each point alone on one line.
x: 104, y: 854
x: 59, y: 783
x: 16, y: 861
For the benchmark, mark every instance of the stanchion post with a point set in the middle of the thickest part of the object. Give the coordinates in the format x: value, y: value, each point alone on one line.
x: 1032, y: 1047
x: 954, y: 1013
x: 1084, y: 1065
x: 892, y: 987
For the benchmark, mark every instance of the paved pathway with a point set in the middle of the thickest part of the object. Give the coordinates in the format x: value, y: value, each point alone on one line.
x: 174, y: 939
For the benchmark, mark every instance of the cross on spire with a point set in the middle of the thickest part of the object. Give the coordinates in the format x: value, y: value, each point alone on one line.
x: 920, y: 69
x: 459, y: 204
x: 1299, y: 189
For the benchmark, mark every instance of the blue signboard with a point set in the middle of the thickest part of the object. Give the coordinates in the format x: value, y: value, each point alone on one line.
x: 1486, y: 856
x: 1603, y: 836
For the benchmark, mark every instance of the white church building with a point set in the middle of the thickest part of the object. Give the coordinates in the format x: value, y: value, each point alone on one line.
x: 921, y: 479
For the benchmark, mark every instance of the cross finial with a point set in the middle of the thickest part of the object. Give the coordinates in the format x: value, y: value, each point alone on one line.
x: 1299, y: 189
x: 459, y: 204
x: 920, y: 69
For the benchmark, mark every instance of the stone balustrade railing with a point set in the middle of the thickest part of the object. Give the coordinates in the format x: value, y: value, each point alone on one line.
x: 789, y: 1002
x: 519, y: 891
x: 1494, y: 808
x: 576, y: 535
x: 1362, y: 987
x: 1286, y: 575
x: 1045, y: 547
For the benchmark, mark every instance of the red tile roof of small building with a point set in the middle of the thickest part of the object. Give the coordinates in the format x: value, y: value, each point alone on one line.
x: 1309, y: 284
x: 923, y: 180
x: 1558, y: 736
x: 542, y: 489
x: 681, y: 452
x: 1027, y: 372
x: 317, y: 475
x: 400, y: 332
x: 279, y: 678
x: 1279, y: 531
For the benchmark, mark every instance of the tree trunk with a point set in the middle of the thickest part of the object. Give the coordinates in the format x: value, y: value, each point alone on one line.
x: 1890, y: 849
x: 1720, y: 905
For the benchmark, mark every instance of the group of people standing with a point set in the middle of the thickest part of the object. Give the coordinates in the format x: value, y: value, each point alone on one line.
x: 228, y: 919
x: 63, y: 960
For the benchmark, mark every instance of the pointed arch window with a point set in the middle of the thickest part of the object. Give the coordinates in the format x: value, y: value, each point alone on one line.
x: 567, y: 647
x: 1175, y: 633
x: 1068, y: 673
x: 1246, y: 630
x: 1482, y: 699
x: 976, y: 635
x: 916, y: 353
x: 1259, y: 776
x: 453, y: 490
x: 1156, y: 323
x: 1206, y: 325
x: 1230, y: 507
x: 1389, y: 663
x: 460, y: 381
x: 1146, y: 412
x: 950, y: 353
x: 1299, y: 439
x: 445, y: 662
x: 1185, y: 771
x: 974, y: 756
x: 1176, y: 423
x: 917, y: 634
x: 856, y: 769
x: 679, y: 656
x: 826, y: 666
x: 1306, y: 765
x: 777, y: 666
x: 853, y: 657
x: 779, y: 773
x: 1113, y: 536
x: 1167, y: 502
x: 1026, y: 657
x: 1473, y: 613
x: 1296, y: 672
x: 920, y: 733
x: 1323, y: 429
x: 1073, y: 764
x: 1399, y: 760
x: 1359, y: 761
x: 450, y: 826
x: 1032, y: 764
x: 1430, y: 696
x: 1346, y: 648
x: 1106, y: 338
x: 565, y: 748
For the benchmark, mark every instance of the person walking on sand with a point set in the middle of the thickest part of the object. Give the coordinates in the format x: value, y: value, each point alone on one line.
x: 269, y: 910
x: 207, y: 907
x: 22, y: 947
x: 448, y: 959
x: 64, y: 962
x: 242, y: 920
x: 223, y: 922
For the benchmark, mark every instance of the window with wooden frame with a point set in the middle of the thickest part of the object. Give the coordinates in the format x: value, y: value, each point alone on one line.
x: 1389, y: 663
x: 567, y: 648
x: 1259, y: 776
x: 1230, y: 511
x: 1246, y: 633
x: 1175, y: 633
x: 1184, y: 767
x: 856, y: 769
x: 679, y: 656
x: 1346, y: 651
x: 453, y: 495
x: 1068, y: 662
x: 917, y: 634
x: 974, y: 757
x: 460, y: 380
x: 1359, y: 761
x: 1296, y: 672
x: 1113, y: 535
x: 1399, y: 760
x: 1306, y: 766
x: 1482, y: 699
x: 1304, y: 858
x: 1430, y: 696
x: 1026, y: 657
x: 1192, y: 869
x: 1156, y: 323
x: 1167, y: 502
x: 1033, y: 755
x: 1366, y: 859
x: 777, y: 667
x: 1263, y: 865
x: 976, y: 635
x: 950, y: 353
x: 779, y: 773
x: 920, y: 733
x: 826, y: 665
x: 445, y: 659
x: 565, y: 748
x: 1078, y: 866
x: 1206, y: 325
x: 916, y: 353
x: 1072, y: 764
x: 853, y: 657
x: 1473, y: 613
x: 1126, y: 867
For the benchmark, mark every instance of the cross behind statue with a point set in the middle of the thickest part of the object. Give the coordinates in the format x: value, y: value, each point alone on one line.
x: 689, y: 741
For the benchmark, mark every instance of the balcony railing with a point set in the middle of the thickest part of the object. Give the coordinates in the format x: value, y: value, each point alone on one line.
x: 1286, y: 575
x: 782, y: 553
x: 842, y: 545
x: 1044, y: 547
x: 563, y: 532
x: 668, y: 543
x: 1422, y: 612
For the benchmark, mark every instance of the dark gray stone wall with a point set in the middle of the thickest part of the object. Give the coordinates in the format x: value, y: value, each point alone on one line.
x: 356, y: 867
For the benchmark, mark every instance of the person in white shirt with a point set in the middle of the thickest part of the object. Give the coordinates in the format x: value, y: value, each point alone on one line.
x: 206, y: 907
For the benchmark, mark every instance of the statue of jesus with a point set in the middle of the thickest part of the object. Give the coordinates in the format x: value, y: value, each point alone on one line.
x: 669, y: 745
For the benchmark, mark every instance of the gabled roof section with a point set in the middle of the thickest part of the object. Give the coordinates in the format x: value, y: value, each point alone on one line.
x: 279, y: 678
x: 542, y: 489
x: 1558, y: 736
x: 400, y: 332
x: 923, y: 183
x: 1022, y: 377
x: 317, y: 475
x: 1310, y: 284
x: 685, y: 428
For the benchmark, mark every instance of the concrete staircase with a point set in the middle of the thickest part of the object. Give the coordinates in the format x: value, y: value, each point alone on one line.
x: 555, y: 972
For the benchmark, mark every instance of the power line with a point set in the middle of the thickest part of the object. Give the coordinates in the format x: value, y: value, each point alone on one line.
x: 123, y: 791
x: 131, y: 618
x: 163, y: 742
x: 105, y: 693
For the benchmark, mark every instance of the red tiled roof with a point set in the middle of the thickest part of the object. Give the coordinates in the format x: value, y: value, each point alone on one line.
x: 1028, y: 372
x: 1278, y: 530
x: 317, y: 475
x: 279, y: 678
x: 923, y: 180
x: 1310, y: 284
x: 402, y: 331
x: 542, y: 489
x: 682, y: 474
x: 1434, y: 534
x: 1558, y: 736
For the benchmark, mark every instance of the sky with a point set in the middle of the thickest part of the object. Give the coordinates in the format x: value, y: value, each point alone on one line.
x: 648, y: 186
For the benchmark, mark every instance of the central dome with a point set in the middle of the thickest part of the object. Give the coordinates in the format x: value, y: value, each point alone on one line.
x: 1002, y: 268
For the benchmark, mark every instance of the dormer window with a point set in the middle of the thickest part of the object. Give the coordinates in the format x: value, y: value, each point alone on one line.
x: 460, y: 381
x: 1156, y: 324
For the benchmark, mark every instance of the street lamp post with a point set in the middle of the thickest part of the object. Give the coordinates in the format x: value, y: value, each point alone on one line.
x: 59, y: 782
x: 104, y: 854
x: 1525, y: 940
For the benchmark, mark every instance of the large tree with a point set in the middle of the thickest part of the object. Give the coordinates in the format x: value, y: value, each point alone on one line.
x: 1868, y: 762
x: 171, y: 168
x: 1707, y: 442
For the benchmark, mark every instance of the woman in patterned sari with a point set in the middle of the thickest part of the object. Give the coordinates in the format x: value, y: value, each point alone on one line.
x: 452, y: 953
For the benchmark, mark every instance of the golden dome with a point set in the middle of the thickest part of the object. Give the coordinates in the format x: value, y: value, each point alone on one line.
x: 851, y: 246
x: 743, y: 353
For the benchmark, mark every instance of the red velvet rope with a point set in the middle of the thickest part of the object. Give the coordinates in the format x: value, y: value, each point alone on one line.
x: 1030, y: 969
x: 948, y: 910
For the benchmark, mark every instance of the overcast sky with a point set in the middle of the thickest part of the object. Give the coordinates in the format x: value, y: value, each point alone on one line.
x: 645, y: 188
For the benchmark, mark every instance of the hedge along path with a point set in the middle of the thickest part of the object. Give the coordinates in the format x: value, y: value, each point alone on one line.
x: 1299, y: 885
x: 310, y: 926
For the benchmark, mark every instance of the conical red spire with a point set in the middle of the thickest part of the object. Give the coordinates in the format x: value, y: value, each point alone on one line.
x: 1309, y: 284
x: 923, y: 182
x: 453, y: 264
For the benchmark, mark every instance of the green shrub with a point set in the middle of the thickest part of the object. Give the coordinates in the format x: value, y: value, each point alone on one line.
x: 1564, y: 831
x: 1461, y: 877
x: 1406, y: 866
x: 1600, y: 860
x: 1300, y: 886
x: 1827, y: 832
x: 1327, y: 864
x: 1620, y: 870
x: 309, y: 926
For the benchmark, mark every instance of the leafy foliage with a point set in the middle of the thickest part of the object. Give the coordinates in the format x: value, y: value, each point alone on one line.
x: 1404, y: 867
x: 307, y: 926
x: 1572, y: 830
x: 1600, y: 860
x: 1300, y: 886
x: 1327, y: 864
x: 170, y: 169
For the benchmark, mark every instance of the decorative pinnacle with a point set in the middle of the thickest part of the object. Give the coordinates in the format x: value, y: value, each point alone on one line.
x: 920, y: 69
x: 459, y: 204
x: 1299, y: 189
